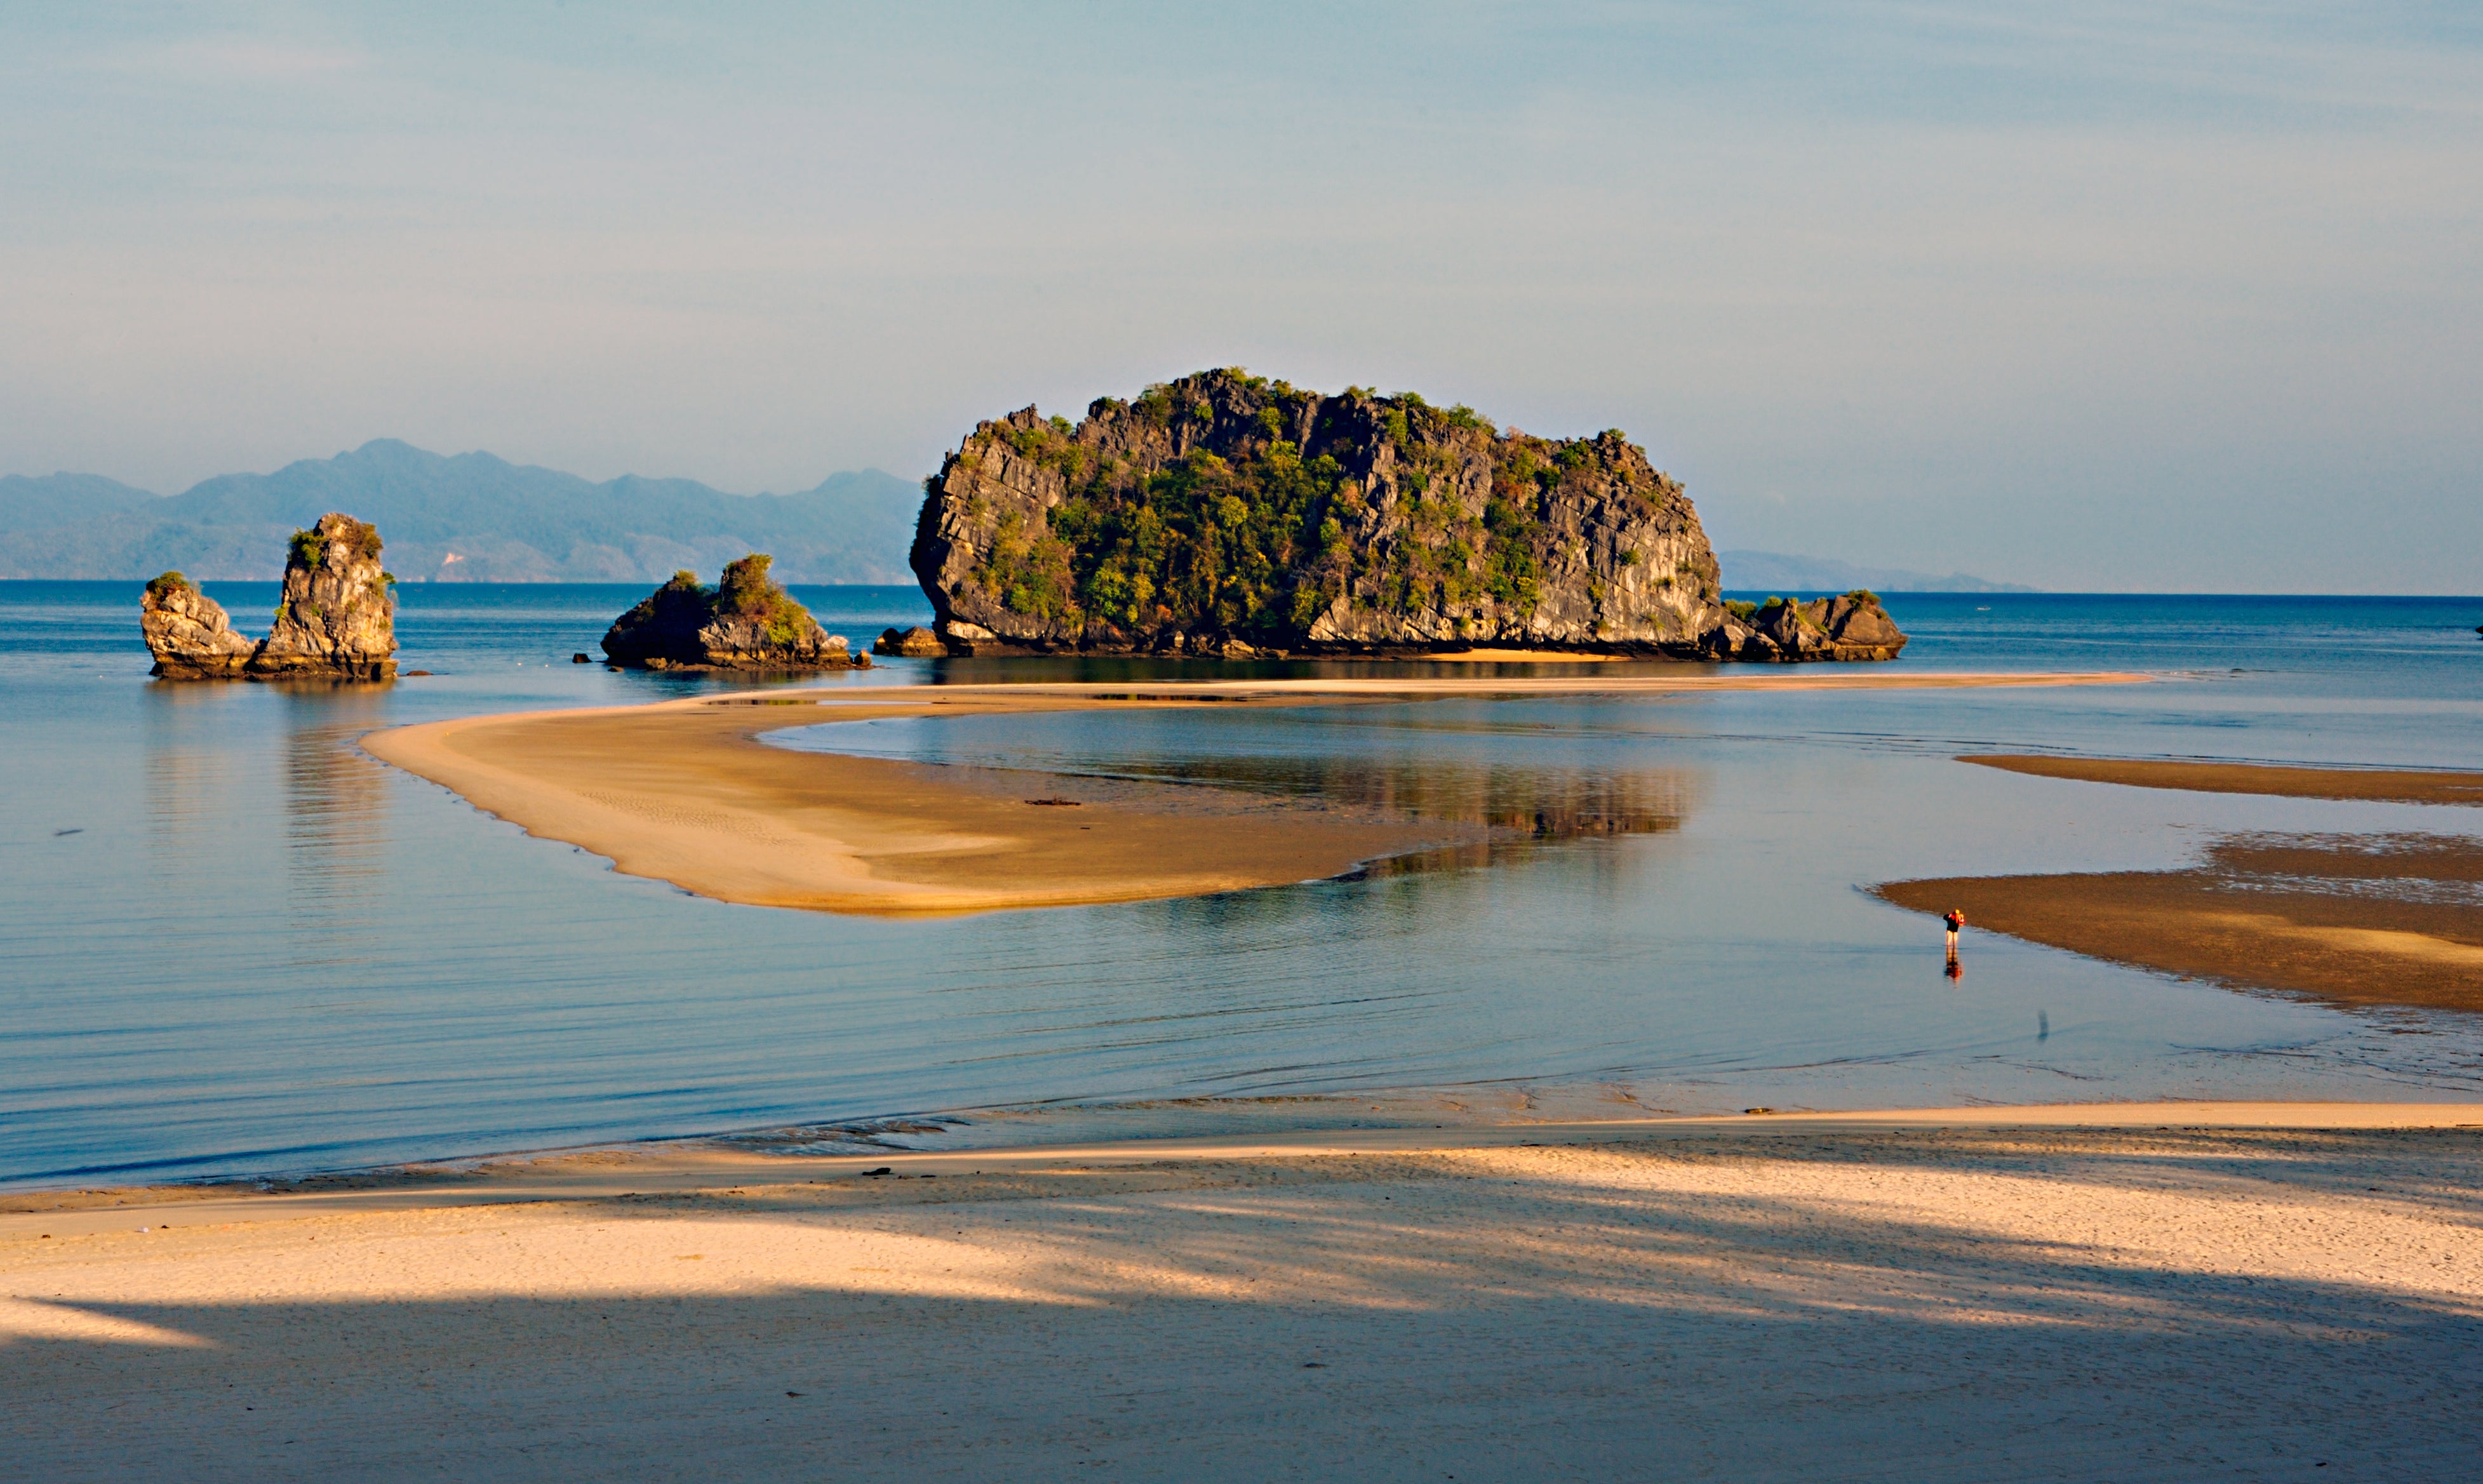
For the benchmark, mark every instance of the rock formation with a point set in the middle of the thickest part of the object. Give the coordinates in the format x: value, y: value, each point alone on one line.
x: 336, y: 621
x: 1224, y: 514
x: 745, y: 622
x: 1854, y: 626
x: 338, y: 614
x: 188, y: 632
x: 918, y: 641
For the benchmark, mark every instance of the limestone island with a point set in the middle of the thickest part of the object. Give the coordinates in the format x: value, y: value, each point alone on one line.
x: 746, y: 622
x: 336, y: 619
x: 1225, y: 513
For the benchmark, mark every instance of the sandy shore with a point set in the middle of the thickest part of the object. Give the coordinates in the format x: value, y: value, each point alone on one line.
x: 2175, y: 1291
x: 683, y: 792
x: 2383, y: 786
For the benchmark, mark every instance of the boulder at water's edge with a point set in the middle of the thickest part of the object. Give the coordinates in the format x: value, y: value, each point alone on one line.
x: 1850, y: 627
x: 919, y: 641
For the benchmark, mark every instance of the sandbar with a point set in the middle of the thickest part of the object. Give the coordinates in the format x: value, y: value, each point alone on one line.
x: 2127, y: 1291
x: 684, y: 792
x: 2387, y: 785
x: 1522, y: 658
x: 2354, y: 920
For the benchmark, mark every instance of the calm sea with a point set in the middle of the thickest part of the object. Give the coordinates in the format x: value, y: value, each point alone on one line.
x: 234, y: 944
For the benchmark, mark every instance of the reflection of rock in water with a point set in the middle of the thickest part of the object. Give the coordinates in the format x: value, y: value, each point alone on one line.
x: 1497, y: 809
x: 335, y: 831
x: 1512, y: 802
x: 190, y: 788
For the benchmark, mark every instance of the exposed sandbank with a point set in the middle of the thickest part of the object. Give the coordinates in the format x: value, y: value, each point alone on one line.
x: 2359, y: 919
x: 1967, y: 1294
x: 683, y: 792
x: 2372, y: 920
x: 1523, y: 657
x: 2385, y: 785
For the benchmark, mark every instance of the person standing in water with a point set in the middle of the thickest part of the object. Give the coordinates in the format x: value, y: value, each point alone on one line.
x: 1955, y: 919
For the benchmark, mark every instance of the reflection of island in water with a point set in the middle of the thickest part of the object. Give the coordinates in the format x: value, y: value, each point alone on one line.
x: 1531, y: 802
x: 189, y: 785
x: 331, y: 798
x: 336, y: 809
x: 1470, y: 811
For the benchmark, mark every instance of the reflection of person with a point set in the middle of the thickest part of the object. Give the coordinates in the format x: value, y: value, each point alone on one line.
x: 1956, y: 969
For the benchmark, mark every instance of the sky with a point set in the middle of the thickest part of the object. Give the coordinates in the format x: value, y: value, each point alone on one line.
x: 2154, y: 297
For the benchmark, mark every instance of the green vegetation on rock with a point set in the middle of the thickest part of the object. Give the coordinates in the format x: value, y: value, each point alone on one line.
x: 747, y: 592
x: 1233, y: 515
x: 746, y: 620
x: 310, y: 548
x: 1244, y: 530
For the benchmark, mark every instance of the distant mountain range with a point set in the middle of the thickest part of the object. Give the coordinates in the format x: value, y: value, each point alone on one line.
x: 473, y: 517
x: 467, y: 518
x: 1751, y: 571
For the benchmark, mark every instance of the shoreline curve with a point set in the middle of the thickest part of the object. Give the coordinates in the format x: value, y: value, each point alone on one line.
x: 684, y: 792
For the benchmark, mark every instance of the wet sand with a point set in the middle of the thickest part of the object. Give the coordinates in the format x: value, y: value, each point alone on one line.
x: 2385, y: 785
x: 2165, y: 1291
x: 2377, y: 919
x: 2197, y: 925
x: 683, y: 792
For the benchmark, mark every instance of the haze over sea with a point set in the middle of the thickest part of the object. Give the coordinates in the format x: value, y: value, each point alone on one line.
x: 238, y: 945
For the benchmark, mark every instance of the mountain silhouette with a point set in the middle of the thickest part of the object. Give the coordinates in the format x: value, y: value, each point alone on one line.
x: 469, y: 517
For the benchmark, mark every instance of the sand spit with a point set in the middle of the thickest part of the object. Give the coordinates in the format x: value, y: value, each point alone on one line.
x: 683, y: 792
x: 2167, y: 1291
x: 2379, y: 785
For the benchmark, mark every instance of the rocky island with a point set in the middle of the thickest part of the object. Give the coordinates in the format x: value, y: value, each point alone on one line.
x: 336, y: 619
x: 746, y: 622
x: 1226, y: 513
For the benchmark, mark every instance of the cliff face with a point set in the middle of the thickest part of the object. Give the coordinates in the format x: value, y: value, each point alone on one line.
x: 337, y: 617
x: 1226, y: 513
x: 745, y: 622
x: 188, y: 632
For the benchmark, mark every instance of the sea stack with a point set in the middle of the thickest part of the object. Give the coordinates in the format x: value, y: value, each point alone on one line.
x: 745, y: 622
x: 336, y: 621
x: 188, y: 632
x: 339, y: 613
x: 1225, y: 513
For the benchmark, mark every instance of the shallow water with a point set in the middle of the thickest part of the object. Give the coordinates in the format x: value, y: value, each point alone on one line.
x: 238, y: 944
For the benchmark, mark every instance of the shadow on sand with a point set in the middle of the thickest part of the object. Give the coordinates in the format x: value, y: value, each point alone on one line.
x: 1376, y: 1316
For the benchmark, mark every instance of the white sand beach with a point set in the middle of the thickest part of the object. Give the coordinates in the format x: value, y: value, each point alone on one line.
x: 2170, y: 1291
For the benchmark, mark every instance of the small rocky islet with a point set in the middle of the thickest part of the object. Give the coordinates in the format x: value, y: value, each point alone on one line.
x: 746, y: 622
x: 336, y: 619
x: 1224, y: 514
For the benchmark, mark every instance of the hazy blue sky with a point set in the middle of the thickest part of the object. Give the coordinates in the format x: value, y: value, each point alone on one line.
x: 2090, y: 295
